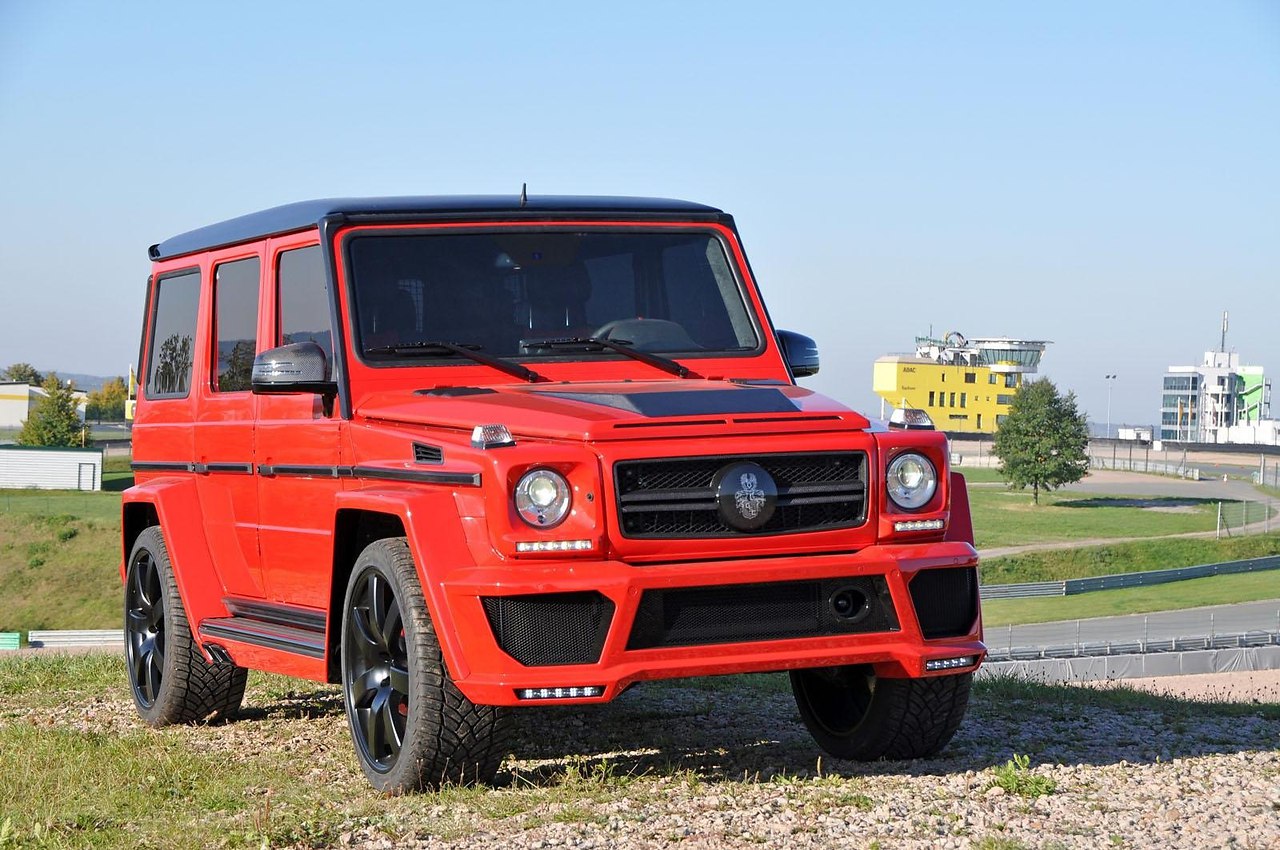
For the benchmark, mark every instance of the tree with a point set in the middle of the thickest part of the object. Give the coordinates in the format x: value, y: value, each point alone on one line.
x: 107, y: 402
x: 23, y: 373
x: 53, y: 421
x: 1042, y: 442
x: 173, y: 371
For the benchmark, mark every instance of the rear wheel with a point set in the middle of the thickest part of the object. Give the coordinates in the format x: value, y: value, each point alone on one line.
x: 411, y: 726
x: 854, y: 714
x: 169, y: 677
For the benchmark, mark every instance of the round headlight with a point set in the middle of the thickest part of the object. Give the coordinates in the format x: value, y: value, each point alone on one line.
x: 542, y: 498
x: 912, y: 481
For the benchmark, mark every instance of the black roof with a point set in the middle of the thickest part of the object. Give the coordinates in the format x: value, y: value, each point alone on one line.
x: 306, y: 214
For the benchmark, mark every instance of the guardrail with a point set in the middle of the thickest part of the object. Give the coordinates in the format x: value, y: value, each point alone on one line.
x: 1072, y: 586
x: 75, y: 638
x: 1095, y: 649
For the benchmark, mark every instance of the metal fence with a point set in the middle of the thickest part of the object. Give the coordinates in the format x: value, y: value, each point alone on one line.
x: 1072, y: 586
x: 1143, y: 464
x: 1083, y: 649
x: 75, y: 638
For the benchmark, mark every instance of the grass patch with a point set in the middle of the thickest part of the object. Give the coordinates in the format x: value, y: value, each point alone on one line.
x: 1130, y: 557
x: 60, y: 570
x: 103, y: 507
x: 1015, y: 777
x: 979, y: 474
x: 1193, y: 593
x: 1003, y: 517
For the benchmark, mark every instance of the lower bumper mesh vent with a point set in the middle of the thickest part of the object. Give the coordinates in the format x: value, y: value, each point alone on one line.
x: 946, y: 601
x: 736, y: 613
x: 547, y: 629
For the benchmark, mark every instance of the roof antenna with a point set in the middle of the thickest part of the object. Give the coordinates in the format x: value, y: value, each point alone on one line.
x: 524, y: 196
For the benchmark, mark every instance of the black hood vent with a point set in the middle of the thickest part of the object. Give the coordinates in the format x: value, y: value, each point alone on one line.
x: 422, y: 453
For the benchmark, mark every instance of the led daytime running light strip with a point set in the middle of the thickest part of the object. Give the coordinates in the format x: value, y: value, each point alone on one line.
x: 951, y: 663
x: 553, y: 546
x: 918, y: 525
x: 561, y: 693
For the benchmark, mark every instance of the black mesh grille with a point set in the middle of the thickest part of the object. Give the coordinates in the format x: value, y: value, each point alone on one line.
x: 550, y: 628
x: 946, y: 601
x: 750, y: 612
x: 675, y: 498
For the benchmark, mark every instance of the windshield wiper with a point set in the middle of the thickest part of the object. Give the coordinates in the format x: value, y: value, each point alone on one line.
x: 438, y: 348
x: 621, y: 346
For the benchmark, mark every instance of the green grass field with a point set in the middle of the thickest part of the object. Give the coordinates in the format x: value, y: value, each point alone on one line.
x: 1131, y: 557
x: 59, y: 561
x: 1193, y: 593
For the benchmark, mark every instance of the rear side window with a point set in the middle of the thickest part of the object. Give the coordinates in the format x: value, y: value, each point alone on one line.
x: 235, y: 299
x: 173, y: 330
x: 304, y: 299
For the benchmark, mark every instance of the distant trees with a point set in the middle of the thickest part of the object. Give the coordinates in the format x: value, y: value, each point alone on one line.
x: 53, y: 420
x: 107, y: 402
x: 23, y: 373
x: 1043, y: 441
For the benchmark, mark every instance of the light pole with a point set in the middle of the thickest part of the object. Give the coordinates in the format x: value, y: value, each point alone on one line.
x: 1110, y: 379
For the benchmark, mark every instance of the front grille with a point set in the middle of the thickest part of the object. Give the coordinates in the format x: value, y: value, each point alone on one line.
x: 946, y: 601
x: 736, y: 613
x: 675, y: 497
x: 550, y: 628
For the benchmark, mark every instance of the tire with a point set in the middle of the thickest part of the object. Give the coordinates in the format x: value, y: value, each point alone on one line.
x: 853, y: 714
x: 168, y: 676
x: 411, y: 726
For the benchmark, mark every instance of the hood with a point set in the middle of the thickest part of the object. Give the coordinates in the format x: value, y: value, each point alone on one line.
x: 614, y: 410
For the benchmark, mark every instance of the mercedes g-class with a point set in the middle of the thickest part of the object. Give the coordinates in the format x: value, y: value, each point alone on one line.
x: 463, y: 455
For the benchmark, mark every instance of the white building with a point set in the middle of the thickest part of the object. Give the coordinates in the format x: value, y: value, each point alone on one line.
x: 18, y: 399
x: 1210, y: 402
x: 50, y: 468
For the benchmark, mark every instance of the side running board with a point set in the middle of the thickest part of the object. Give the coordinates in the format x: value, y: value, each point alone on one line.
x: 286, y: 628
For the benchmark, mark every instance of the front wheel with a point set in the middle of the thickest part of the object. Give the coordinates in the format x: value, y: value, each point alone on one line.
x: 854, y: 714
x: 411, y: 726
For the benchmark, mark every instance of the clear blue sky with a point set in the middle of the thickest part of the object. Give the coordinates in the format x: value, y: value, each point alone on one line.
x: 1104, y: 175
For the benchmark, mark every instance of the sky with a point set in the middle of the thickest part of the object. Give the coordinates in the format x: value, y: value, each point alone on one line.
x: 1102, y: 175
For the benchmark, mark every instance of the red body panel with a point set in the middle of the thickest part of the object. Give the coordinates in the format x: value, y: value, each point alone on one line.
x: 271, y: 533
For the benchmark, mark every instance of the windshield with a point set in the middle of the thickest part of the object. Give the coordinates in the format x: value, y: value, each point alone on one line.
x: 514, y: 294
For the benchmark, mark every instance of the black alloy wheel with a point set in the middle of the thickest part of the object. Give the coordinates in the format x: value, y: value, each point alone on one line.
x: 376, y: 664
x: 144, y: 629
x: 411, y: 726
x: 169, y: 677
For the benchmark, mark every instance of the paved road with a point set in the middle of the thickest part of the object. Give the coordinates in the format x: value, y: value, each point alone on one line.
x: 1162, y: 625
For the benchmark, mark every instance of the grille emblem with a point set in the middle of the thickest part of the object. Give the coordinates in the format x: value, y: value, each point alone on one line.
x: 749, y: 500
x: 746, y: 495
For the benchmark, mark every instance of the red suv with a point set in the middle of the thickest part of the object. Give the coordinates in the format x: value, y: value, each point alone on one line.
x: 467, y: 454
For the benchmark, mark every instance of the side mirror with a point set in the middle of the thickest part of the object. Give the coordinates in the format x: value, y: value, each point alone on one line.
x: 299, y: 367
x: 800, y: 352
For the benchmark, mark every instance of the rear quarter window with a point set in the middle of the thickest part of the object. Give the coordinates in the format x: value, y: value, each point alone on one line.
x: 173, y: 329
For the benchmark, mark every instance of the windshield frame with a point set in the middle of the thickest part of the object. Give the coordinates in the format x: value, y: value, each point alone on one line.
x: 715, y: 231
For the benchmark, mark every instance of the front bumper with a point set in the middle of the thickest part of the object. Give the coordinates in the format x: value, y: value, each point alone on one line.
x: 487, y: 674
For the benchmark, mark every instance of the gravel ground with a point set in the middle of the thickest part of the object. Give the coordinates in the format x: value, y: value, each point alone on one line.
x: 726, y: 764
x: 1256, y: 686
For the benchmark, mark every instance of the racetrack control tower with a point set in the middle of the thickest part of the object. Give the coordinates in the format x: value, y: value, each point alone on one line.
x: 965, y: 385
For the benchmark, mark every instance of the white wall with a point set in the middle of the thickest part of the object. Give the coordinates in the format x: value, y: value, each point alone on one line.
x: 50, y: 469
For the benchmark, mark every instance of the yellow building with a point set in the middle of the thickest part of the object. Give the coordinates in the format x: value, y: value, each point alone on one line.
x: 965, y: 385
